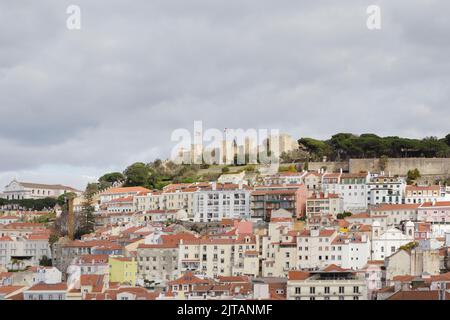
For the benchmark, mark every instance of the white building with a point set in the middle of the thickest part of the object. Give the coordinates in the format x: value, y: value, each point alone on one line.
x: 48, y: 275
x: 281, y: 178
x: 26, y: 190
x: 385, y: 189
x: 395, y: 213
x: 353, y: 189
x: 350, y: 251
x: 387, y: 243
x: 331, y: 283
x: 121, y: 192
x: 220, y: 257
x: 421, y: 194
x: 331, y: 182
x: 20, y: 252
x: 221, y: 201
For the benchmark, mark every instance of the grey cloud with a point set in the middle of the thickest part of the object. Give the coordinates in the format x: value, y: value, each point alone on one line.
x: 114, y: 91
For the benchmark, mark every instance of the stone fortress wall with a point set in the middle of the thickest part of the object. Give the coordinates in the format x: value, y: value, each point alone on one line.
x: 396, y: 166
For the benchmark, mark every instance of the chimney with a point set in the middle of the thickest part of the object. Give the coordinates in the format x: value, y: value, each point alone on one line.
x: 214, y: 186
x: 240, y: 185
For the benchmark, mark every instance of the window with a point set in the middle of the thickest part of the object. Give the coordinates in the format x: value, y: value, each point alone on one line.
x: 356, y: 289
x: 298, y: 290
x: 327, y: 289
x: 341, y: 289
x: 312, y: 290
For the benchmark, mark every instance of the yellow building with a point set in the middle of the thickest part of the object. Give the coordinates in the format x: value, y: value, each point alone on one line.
x: 122, y: 270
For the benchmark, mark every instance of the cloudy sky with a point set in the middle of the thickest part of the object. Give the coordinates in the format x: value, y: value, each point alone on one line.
x: 77, y: 103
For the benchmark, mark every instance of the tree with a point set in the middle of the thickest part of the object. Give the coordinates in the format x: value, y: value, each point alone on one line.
x: 61, y: 200
x: 109, y: 179
x: 412, y: 176
x: 225, y: 169
x: 343, y: 215
x: 447, y: 139
x: 306, y: 165
x: 409, y: 246
x: 86, y: 219
x: 45, y: 262
x: 317, y: 149
x: 138, y: 174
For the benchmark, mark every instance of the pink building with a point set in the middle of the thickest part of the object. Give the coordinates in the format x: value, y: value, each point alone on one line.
x: 437, y: 212
x: 291, y: 198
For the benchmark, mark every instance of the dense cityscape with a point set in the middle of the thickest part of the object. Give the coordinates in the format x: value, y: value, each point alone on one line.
x: 359, y: 229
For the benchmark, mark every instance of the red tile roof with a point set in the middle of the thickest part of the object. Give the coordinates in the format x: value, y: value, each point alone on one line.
x: 49, y: 287
x: 125, y: 190
x: 298, y: 275
x: 415, y: 295
x: 390, y: 207
x: 189, y: 278
x: 436, y: 204
x: 6, y: 290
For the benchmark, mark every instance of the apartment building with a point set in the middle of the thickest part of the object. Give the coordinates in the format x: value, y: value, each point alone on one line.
x: 281, y: 178
x: 279, y: 254
x: 385, y: 189
x: 422, y: 194
x: 16, y: 253
x: 375, y: 274
x: 265, y: 200
x: 437, y: 212
x: 219, y: 257
x: 91, y: 264
x: 330, y: 283
x: 157, y: 263
x: 158, y: 260
x: 221, y: 201
x: 43, y: 291
x: 313, y: 181
x: 178, y: 198
x: 121, y: 192
x: 331, y: 182
x: 350, y: 251
x: 7, y: 219
x: 314, y: 248
x: 323, y: 203
x: 122, y: 269
x: 395, y: 213
x: 119, y: 205
x: 21, y: 229
x: 353, y: 189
